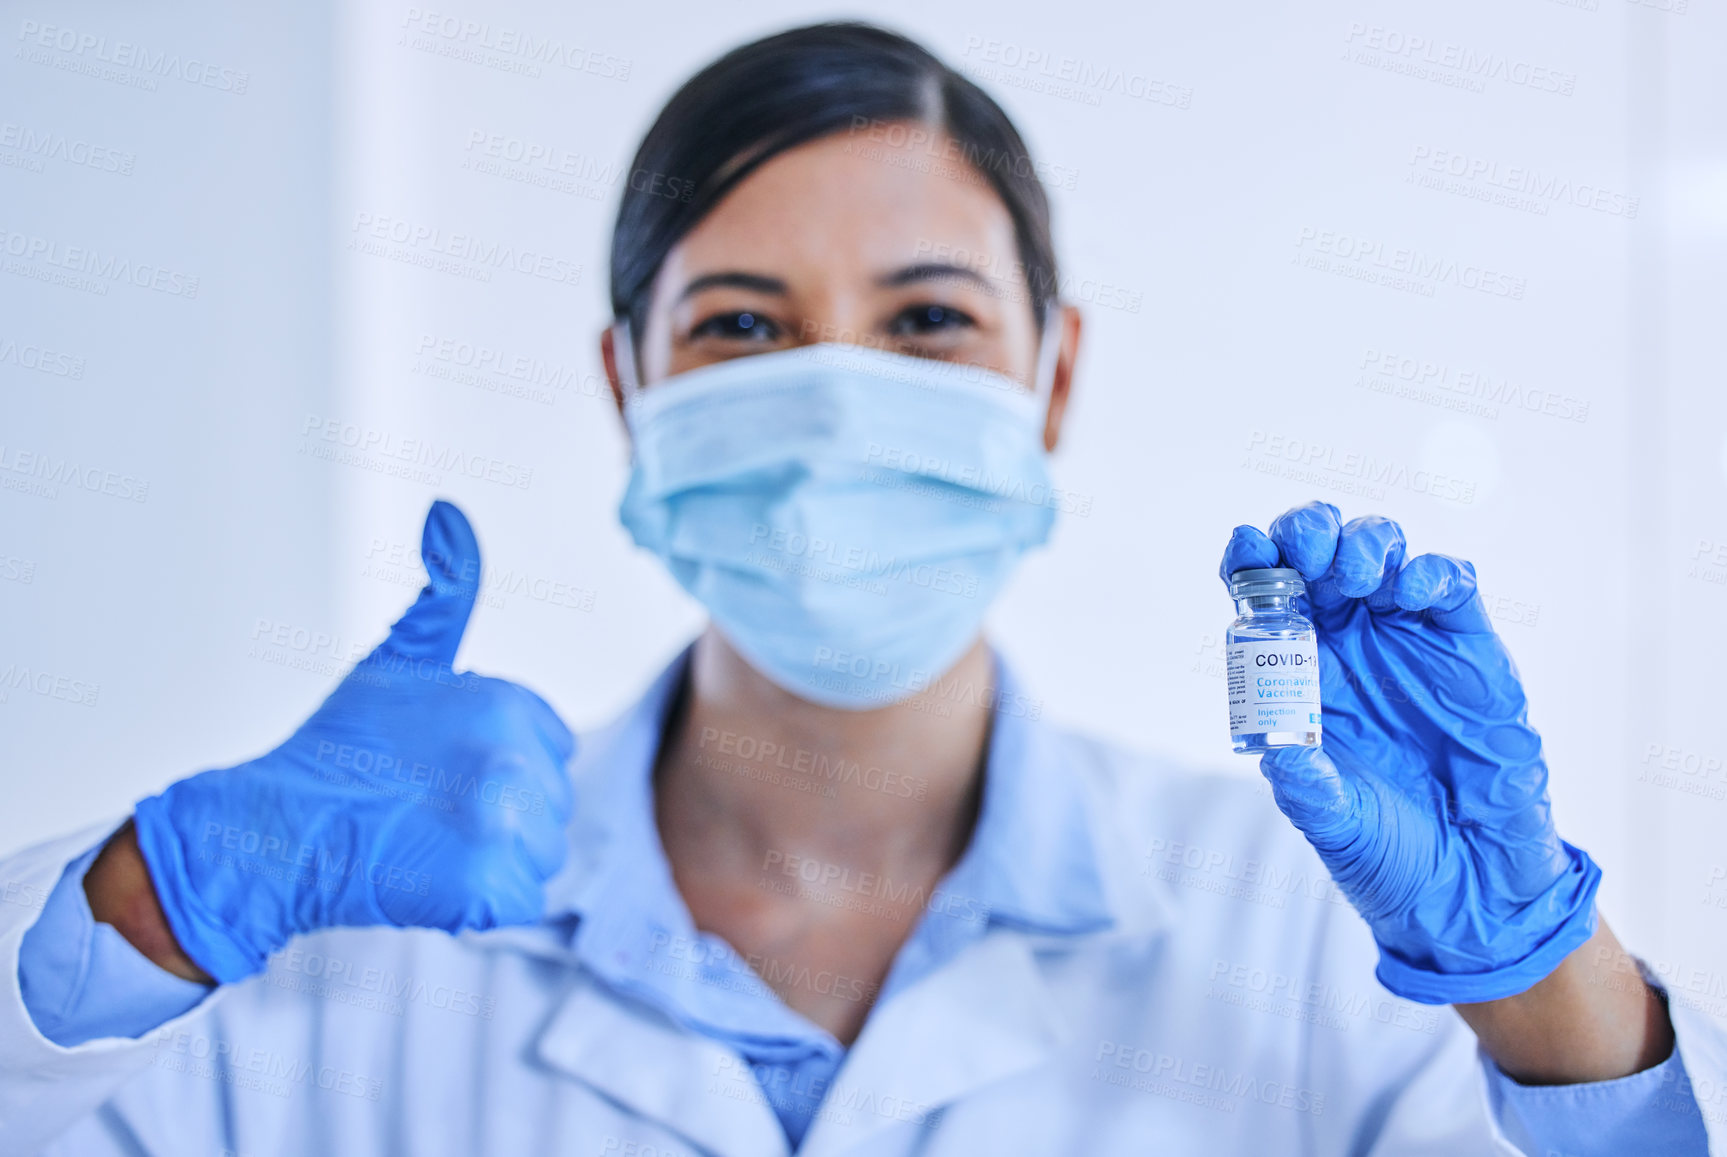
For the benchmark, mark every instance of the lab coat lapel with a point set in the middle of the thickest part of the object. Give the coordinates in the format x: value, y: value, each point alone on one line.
x: 985, y: 1016
x: 683, y: 1081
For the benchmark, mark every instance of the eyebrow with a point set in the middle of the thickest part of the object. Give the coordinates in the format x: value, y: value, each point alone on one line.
x: 934, y: 271
x: 907, y: 275
x: 736, y: 279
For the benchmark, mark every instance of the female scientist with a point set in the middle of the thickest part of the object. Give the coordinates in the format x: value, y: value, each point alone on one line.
x: 832, y: 886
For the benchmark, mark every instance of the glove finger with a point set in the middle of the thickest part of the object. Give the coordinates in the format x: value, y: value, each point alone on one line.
x: 543, y: 842
x: 501, y: 892
x: 1370, y: 550
x: 485, y: 874
x: 432, y: 628
x: 1248, y: 547
x: 1444, y: 589
x: 559, y: 744
x: 1313, y: 793
x: 1306, y: 537
x: 554, y: 733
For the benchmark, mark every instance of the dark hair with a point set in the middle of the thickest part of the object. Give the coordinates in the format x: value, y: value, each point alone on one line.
x: 790, y: 88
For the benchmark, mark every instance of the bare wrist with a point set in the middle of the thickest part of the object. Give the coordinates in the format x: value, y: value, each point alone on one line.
x: 121, y: 895
x: 1593, y: 1019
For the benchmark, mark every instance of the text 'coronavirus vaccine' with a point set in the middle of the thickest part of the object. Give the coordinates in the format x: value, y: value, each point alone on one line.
x: 1271, y: 657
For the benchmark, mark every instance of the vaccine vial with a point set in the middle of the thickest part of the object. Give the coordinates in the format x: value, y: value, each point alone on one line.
x: 1271, y: 658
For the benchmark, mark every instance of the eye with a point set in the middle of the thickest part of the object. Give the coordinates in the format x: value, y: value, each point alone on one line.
x: 920, y: 320
x: 737, y: 325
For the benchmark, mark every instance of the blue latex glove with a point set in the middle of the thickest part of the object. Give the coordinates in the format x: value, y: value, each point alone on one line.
x: 1427, y: 798
x: 413, y: 796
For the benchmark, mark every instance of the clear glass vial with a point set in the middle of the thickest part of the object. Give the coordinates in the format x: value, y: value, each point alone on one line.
x: 1271, y: 664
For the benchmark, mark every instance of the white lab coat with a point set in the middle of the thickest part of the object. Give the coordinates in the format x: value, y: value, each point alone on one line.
x: 1231, y: 1010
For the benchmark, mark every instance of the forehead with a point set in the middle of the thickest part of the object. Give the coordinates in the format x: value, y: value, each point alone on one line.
x: 848, y: 204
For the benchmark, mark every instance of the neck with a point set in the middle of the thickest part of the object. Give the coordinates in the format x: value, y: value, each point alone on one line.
x: 749, y: 772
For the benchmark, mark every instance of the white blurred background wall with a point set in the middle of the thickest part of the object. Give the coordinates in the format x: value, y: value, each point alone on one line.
x: 1458, y: 264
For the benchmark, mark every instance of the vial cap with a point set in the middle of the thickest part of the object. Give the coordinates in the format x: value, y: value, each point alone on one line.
x: 1267, y: 580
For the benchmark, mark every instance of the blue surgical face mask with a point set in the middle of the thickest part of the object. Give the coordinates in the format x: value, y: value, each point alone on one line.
x: 846, y: 515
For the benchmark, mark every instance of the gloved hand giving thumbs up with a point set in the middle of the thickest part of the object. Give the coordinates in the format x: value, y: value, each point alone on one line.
x: 414, y: 796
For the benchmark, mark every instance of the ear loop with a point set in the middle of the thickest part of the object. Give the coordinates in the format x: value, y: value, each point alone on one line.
x: 624, y: 358
x: 1048, y: 349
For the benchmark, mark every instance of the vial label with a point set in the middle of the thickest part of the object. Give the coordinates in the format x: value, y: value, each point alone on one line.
x: 1273, y: 686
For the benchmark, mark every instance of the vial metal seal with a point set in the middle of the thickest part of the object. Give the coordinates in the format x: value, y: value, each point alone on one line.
x: 1271, y: 658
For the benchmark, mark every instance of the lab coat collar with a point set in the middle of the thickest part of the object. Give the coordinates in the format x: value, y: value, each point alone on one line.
x: 690, y: 1084
x: 982, y: 1017
x: 965, y: 998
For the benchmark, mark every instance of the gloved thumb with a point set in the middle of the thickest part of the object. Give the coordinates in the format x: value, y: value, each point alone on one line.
x: 432, y: 628
x: 1314, y: 794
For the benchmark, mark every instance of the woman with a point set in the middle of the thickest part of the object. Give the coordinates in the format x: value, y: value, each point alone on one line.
x: 832, y: 886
